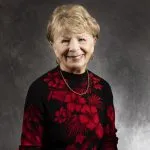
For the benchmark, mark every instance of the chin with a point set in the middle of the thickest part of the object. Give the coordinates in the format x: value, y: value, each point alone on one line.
x: 77, y: 66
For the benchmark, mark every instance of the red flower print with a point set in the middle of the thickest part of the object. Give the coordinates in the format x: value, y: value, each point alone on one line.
x: 75, y: 127
x: 90, y: 119
x: 73, y: 107
x: 88, y: 142
x: 95, y: 82
x: 58, y: 95
x: 89, y: 109
x: 111, y: 113
x: 70, y: 97
x: 71, y: 147
x: 81, y: 100
x: 95, y: 100
x: 94, y: 78
x: 89, y: 116
x: 84, y: 119
x: 32, y: 129
x: 32, y: 113
x: 74, y: 98
x: 80, y: 138
x: 93, y: 109
x: 90, y: 125
x: 96, y: 118
x: 74, y: 102
x: 53, y: 80
x: 61, y: 115
x: 110, y: 127
x: 99, y: 131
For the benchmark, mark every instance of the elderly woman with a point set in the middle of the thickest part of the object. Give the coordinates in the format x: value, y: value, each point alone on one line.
x: 69, y: 107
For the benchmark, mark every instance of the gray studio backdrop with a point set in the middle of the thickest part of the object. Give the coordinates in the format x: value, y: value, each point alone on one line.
x: 122, y: 57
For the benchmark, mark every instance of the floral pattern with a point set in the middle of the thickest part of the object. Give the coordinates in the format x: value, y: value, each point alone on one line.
x: 32, y: 127
x: 79, y: 117
x: 61, y: 115
x: 110, y: 113
x: 95, y: 82
x: 80, y: 113
x: 88, y: 116
x: 52, y: 80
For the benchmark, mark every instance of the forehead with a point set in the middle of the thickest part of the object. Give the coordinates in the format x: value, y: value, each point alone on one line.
x: 68, y: 34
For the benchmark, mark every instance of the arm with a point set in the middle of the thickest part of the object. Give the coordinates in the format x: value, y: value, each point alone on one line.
x: 33, y: 120
x: 109, y: 140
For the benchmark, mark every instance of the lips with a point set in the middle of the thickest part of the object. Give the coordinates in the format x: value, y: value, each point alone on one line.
x: 75, y: 56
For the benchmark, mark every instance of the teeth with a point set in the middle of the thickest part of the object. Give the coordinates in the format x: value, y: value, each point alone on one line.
x: 75, y: 56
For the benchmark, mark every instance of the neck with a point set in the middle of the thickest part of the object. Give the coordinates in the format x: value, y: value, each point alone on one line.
x: 73, y: 70
x: 88, y: 84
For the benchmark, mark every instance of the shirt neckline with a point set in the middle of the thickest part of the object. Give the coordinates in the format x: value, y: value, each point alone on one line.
x: 70, y: 75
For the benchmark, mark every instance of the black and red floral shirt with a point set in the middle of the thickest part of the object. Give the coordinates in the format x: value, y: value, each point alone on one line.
x: 55, y: 118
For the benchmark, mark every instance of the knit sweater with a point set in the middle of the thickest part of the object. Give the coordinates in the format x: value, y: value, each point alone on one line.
x: 55, y: 118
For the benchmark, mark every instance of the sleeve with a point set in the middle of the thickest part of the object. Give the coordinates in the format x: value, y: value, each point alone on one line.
x: 33, y: 120
x: 110, y: 140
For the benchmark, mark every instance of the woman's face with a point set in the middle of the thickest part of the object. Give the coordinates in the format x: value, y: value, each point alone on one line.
x: 73, y: 51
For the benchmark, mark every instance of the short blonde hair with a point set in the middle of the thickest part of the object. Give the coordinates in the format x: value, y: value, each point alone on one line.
x: 72, y: 18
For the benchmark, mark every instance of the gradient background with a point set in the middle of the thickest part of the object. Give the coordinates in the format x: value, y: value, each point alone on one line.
x: 122, y: 57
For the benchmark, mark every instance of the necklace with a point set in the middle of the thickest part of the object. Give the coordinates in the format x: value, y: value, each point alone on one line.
x: 88, y: 84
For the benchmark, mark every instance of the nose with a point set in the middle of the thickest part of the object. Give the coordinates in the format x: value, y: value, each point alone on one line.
x: 73, y: 44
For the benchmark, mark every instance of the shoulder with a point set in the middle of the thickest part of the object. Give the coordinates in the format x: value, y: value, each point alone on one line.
x: 39, y: 84
x: 99, y: 80
x: 101, y: 84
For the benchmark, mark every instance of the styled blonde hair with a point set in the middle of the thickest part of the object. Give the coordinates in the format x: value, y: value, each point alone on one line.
x: 72, y: 18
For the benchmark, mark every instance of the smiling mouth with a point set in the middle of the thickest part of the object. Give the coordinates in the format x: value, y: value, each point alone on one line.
x: 77, y: 56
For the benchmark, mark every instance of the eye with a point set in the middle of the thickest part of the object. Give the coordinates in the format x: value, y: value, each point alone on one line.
x: 81, y: 39
x: 65, y: 41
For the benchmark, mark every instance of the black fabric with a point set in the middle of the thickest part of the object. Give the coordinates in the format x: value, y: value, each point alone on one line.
x: 56, y: 118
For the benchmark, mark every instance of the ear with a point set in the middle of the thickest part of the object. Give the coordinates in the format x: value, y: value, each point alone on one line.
x: 95, y: 39
x: 50, y: 45
x: 53, y: 47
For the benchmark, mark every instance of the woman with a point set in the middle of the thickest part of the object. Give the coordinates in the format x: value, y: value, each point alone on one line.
x: 69, y: 107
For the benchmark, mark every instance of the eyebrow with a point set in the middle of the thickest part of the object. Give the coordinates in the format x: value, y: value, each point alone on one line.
x: 79, y: 36
x: 65, y: 37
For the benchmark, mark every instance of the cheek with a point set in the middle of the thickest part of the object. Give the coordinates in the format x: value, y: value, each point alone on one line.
x: 90, y: 49
x: 58, y: 50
